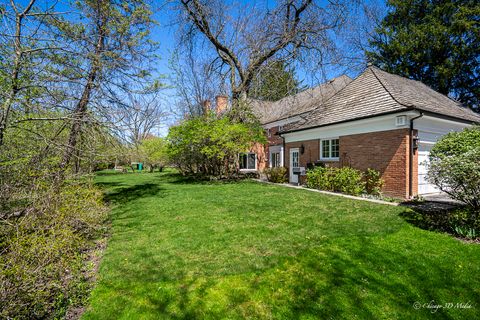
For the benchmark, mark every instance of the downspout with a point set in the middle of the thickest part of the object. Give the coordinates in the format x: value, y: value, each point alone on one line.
x: 410, y: 162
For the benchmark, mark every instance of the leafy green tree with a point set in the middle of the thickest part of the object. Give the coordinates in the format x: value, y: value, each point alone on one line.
x: 274, y: 81
x: 154, y: 151
x: 436, y: 42
x: 455, y: 167
x: 210, y: 146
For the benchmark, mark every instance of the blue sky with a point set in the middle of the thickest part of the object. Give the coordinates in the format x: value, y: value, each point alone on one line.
x: 165, y: 34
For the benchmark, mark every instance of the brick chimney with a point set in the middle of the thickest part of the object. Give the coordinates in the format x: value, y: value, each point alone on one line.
x: 206, y: 106
x: 221, y: 103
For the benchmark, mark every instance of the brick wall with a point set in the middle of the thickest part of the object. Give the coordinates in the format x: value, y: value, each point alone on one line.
x: 385, y: 151
x: 274, y: 139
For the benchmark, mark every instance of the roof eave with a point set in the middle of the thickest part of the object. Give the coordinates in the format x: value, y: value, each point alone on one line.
x: 350, y: 120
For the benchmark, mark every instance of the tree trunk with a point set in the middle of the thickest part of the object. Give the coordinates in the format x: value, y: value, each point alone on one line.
x: 81, y: 108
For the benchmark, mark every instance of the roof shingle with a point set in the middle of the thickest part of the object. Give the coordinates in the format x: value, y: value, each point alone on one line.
x: 376, y: 92
x: 297, y: 104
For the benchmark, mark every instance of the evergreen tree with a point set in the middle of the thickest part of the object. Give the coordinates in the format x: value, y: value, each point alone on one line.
x: 274, y: 81
x: 436, y: 42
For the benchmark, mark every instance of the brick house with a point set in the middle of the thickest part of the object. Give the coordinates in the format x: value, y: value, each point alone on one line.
x: 378, y: 120
x: 284, y: 114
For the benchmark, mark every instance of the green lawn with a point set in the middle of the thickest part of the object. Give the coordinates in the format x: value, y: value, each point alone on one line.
x: 188, y: 250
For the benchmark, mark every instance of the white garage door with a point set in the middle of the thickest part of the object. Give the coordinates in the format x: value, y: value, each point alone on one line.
x: 423, y: 186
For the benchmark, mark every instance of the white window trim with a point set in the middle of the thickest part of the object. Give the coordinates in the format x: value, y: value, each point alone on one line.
x: 275, y: 149
x: 256, y: 162
x: 330, y: 149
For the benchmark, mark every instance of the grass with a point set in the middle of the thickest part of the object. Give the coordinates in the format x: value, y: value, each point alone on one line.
x: 187, y: 250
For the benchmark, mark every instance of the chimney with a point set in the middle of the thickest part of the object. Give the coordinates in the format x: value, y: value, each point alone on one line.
x: 221, y: 103
x: 206, y: 105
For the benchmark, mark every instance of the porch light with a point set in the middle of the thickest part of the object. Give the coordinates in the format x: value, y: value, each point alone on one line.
x: 302, y: 149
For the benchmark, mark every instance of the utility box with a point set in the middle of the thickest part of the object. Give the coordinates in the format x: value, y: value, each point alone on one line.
x: 137, y: 166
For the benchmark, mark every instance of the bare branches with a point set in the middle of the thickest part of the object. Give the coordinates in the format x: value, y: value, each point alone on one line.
x: 249, y: 37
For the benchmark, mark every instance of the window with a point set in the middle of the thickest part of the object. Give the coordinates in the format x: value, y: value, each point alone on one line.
x: 295, y: 163
x: 275, y: 159
x: 280, y: 128
x: 248, y: 161
x: 330, y: 149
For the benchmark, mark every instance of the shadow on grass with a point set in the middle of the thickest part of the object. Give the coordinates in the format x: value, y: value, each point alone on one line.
x: 342, y: 281
x: 180, y: 179
x: 122, y: 195
x: 437, y: 216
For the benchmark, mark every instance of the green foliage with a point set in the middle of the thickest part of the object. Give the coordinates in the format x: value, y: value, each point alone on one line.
x: 455, y: 166
x: 276, y: 80
x: 456, y: 143
x: 276, y: 174
x: 373, y: 182
x: 346, y: 180
x: 459, y: 221
x: 210, y: 146
x: 459, y: 176
x: 436, y: 42
x: 43, y: 250
x: 154, y: 152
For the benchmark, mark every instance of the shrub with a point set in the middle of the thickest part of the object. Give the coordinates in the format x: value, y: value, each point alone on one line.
x: 276, y: 174
x: 456, y: 143
x: 209, y: 146
x: 373, y: 182
x: 346, y: 180
x: 455, y: 167
x: 317, y: 178
x: 43, y: 250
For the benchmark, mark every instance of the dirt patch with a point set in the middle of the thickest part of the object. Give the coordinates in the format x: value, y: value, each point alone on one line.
x: 90, y: 271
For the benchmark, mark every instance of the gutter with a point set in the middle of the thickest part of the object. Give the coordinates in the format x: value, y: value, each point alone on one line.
x: 410, y: 162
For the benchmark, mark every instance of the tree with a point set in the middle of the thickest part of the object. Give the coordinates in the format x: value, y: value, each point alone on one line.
x: 154, y: 151
x: 436, y: 42
x: 455, y: 167
x: 246, y: 39
x: 111, y: 45
x: 139, y: 116
x: 274, y: 81
x: 209, y: 146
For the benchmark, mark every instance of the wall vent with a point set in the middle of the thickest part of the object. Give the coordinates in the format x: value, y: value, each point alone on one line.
x: 400, y: 121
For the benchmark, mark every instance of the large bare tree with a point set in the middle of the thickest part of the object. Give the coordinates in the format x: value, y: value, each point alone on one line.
x: 245, y: 37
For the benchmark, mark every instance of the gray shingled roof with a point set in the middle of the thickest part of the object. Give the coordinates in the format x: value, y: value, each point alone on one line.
x: 376, y: 92
x: 297, y: 104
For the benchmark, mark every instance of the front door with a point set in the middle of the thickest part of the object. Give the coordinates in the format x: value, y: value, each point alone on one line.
x: 294, y: 163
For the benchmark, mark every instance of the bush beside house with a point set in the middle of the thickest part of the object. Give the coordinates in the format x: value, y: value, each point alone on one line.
x: 346, y: 180
x: 276, y: 174
x: 455, y: 169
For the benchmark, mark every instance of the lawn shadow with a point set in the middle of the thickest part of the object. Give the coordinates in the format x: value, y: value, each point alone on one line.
x: 352, y: 282
x: 109, y: 184
x: 122, y: 195
x: 431, y: 215
x: 177, y: 178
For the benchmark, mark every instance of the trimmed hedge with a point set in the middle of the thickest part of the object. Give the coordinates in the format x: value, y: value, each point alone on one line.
x: 345, y: 180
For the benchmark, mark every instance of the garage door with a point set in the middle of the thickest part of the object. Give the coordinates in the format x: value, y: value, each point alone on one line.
x: 423, y: 186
